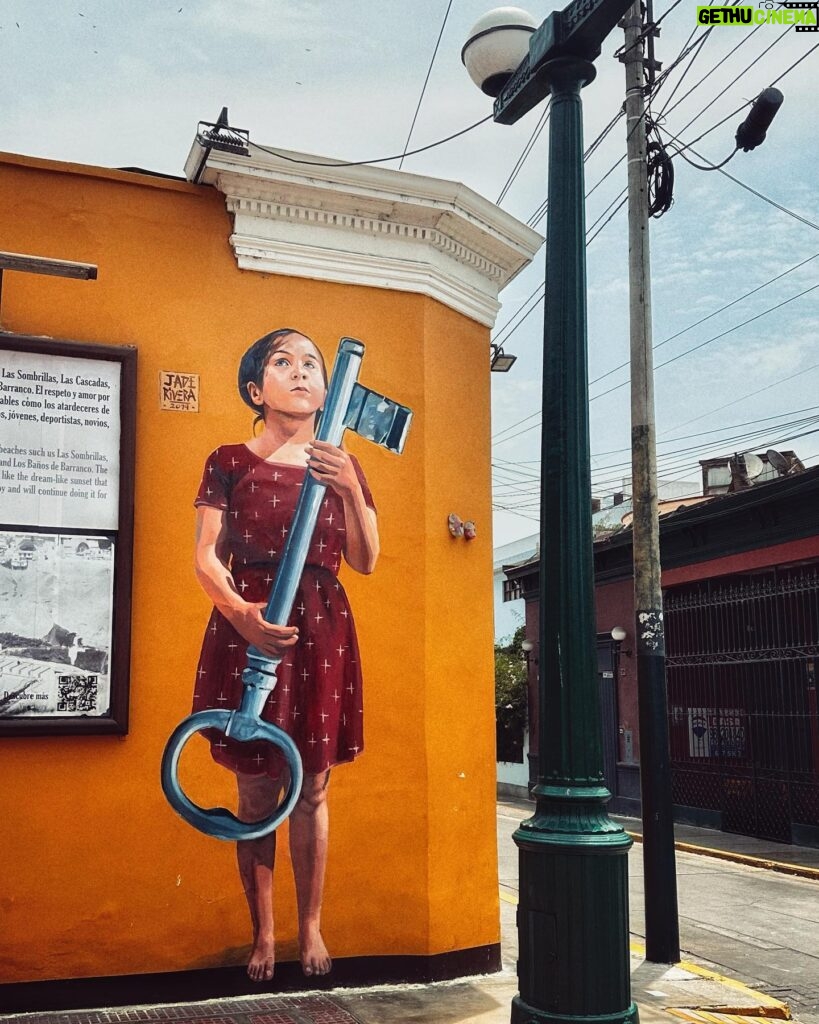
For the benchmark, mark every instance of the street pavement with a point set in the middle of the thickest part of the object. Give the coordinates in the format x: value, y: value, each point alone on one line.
x: 750, y: 936
x: 757, y: 925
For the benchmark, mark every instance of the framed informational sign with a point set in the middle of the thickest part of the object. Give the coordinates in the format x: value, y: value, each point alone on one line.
x: 67, y: 418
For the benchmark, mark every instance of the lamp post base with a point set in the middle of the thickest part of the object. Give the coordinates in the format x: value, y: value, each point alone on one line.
x: 573, y: 962
x: 522, y: 1013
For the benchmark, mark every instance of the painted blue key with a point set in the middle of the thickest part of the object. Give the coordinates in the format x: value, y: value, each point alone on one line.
x: 348, y: 406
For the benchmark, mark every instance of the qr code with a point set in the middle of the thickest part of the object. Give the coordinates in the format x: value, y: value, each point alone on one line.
x: 77, y: 693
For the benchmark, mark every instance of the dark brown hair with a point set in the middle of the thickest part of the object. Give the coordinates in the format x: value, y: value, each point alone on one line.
x: 255, y: 360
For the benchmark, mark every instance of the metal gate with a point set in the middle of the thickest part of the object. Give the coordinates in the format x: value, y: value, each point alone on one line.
x: 742, y: 655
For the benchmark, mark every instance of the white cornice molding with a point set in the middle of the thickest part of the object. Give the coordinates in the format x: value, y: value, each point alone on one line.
x: 366, y: 225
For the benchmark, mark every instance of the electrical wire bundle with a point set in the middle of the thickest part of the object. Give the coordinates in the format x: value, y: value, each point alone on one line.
x: 660, y: 172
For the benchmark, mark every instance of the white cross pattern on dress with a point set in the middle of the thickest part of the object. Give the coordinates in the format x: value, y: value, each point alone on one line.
x: 300, y: 608
x: 234, y: 463
x: 324, y: 715
x: 350, y: 688
x: 253, y: 487
x: 272, y: 553
x: 284, y: 530
x: 330, y: 519
x: 318, y: 617
x: 305, y: 674
x: 325, y: 664
x: 243, y: 586
x: 210, y: 467
x: 268, y: 578
x: 274, y: 500
x: 208, y: 492
x: 285, y: 688
x: 336, y: 697
x: 340, y: 650
x: 236, y: 673
x: 221, y: 698
x: 318, y: 585
x: 258, y: 759
x: 309, y: 643
x: 355, y: 749
x: 325, y: 738
x: 322, y: 545
x: 221, y: 745
x: 312, y: 741
x: 201, y: 672
x: 276, y: 476
x: 232, y: 646
x: 247, y: 535
x: 295, y: 714
x: 344, y: 612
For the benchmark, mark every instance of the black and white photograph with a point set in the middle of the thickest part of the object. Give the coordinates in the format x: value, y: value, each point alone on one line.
x: 56, y: 611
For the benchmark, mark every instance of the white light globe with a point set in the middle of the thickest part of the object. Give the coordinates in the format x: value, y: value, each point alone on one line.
x: 497, y: 44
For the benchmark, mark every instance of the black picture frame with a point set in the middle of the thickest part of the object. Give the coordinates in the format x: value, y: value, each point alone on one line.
x: 115, y: 719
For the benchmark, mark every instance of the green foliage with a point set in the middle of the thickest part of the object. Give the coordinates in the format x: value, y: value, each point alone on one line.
x: 510, y: 672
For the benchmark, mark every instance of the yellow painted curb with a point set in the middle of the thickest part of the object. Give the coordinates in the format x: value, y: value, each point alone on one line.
x: 767, y: 1006
x: 742, y: 858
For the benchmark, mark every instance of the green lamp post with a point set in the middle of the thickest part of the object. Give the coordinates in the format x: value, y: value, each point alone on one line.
x: 573, y: 916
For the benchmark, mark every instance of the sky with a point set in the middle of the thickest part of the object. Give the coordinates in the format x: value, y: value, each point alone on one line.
x: 121, y: 84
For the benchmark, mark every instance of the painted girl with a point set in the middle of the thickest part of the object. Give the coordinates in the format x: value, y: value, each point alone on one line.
x: 245, y: 507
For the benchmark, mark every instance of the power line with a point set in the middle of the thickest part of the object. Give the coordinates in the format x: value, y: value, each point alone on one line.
x: 716, y: 337
x: 527, y: 149
x: 720, y: 63
x: 424, y: 86
x: 379, y: 160
x: 686, y: 146
x: 702, y: 320
x: 742, y: 184
x: 751, y: 394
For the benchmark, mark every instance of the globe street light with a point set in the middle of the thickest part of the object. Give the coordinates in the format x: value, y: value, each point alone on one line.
x: 573, y: 914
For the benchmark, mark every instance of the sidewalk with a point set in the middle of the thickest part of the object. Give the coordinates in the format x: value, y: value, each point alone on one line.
x: 763, y: 853
x: 664, y: 994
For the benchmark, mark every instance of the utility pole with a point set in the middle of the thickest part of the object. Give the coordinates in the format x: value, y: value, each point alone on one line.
x: 662, y: 927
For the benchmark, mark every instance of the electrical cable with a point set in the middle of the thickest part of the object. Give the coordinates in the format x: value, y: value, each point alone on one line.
x: 527, y: 149
x: 742, y: 184
x: 751, y: 394
x: 730, y: 330
x: 379, y: 160
x: 687, y: 146
x: 659, y: 173
x: 666, y: 110
x: 424, y: 86
x: 509, y: 466
x: 716, y: 337
x: 702, y: 320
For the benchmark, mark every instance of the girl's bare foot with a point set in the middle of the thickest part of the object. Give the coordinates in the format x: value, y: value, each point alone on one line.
x: 262, y: 959
x: 313, y: 953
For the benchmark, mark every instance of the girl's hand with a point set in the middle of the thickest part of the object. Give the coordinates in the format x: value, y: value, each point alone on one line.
x: 332, y: 466
x: 248, y: 621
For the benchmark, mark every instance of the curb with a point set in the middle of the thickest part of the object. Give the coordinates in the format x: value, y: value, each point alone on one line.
x: 742, y: 858
x: 765, y: 1006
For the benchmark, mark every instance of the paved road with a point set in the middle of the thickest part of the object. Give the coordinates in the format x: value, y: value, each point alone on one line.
x: 758, y: 926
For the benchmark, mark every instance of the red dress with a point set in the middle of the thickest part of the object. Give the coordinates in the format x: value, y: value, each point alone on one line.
x: 317, y: 698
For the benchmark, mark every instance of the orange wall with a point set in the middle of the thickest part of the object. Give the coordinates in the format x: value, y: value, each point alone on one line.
x: 99, y: 875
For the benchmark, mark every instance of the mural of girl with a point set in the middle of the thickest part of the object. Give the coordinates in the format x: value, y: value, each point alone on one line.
x: 245, y: 505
